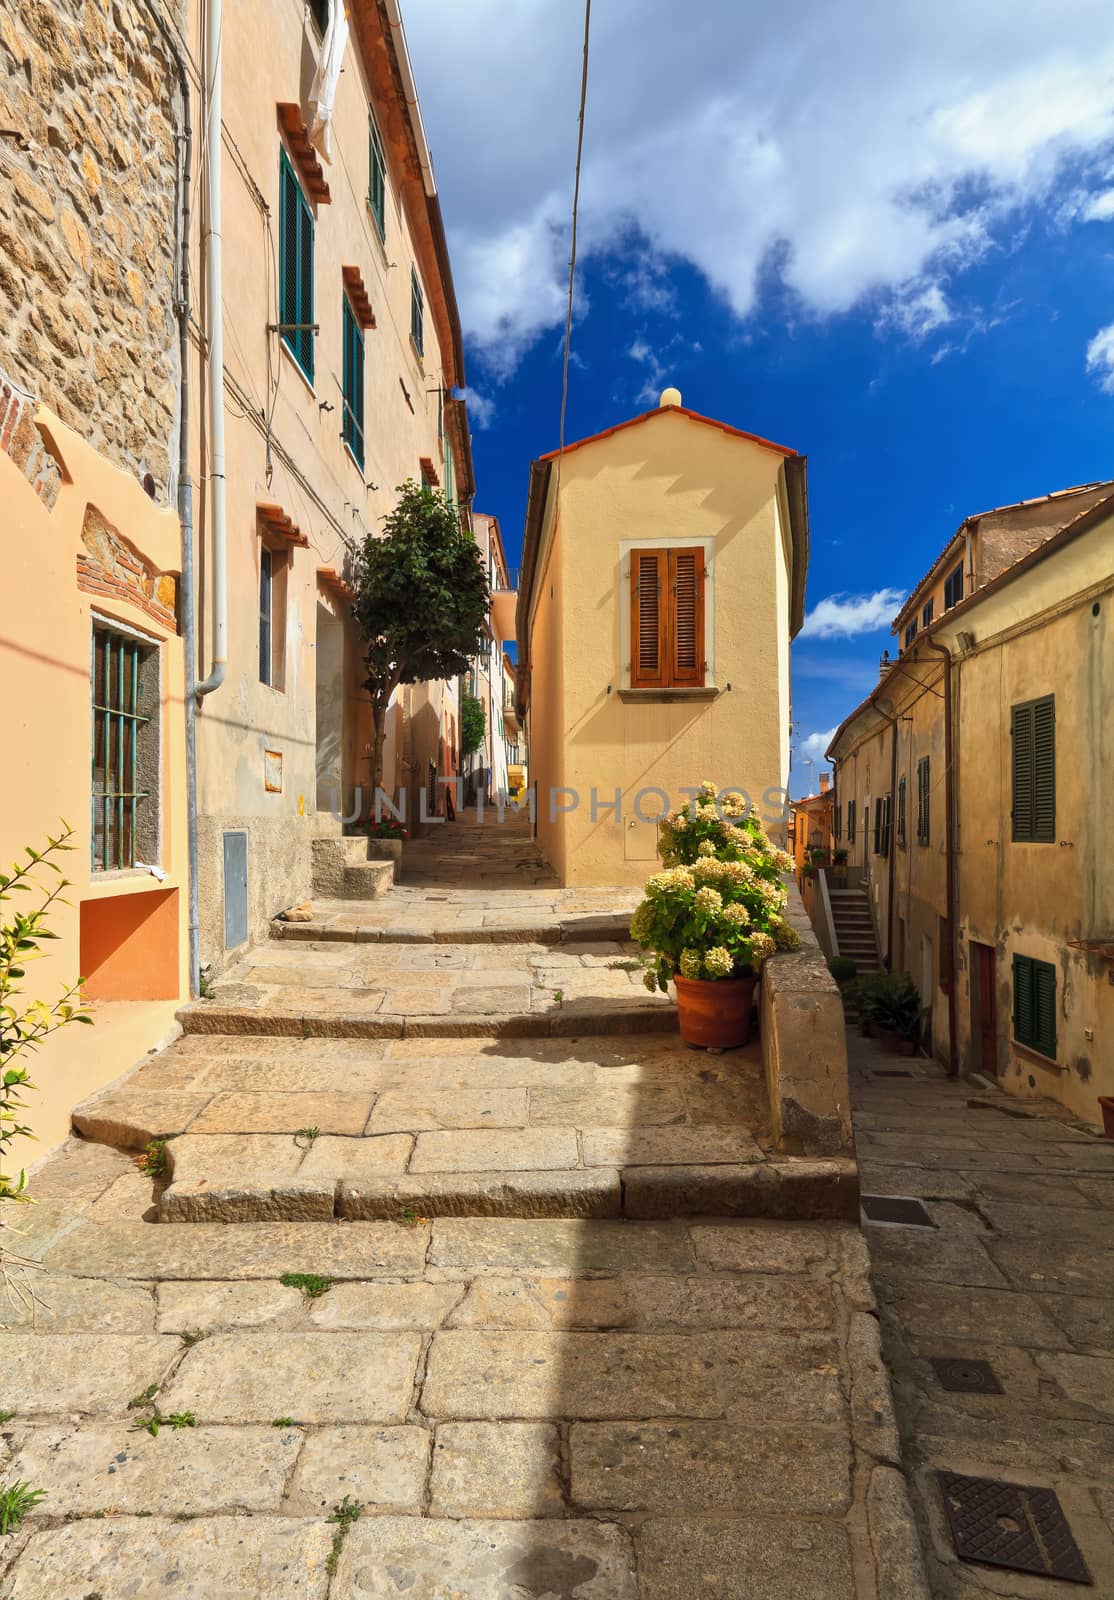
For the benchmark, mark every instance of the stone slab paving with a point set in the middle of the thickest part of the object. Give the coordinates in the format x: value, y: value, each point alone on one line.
x: 1019, y: 1272
x: 605, y: 1409
x: 591, y: 1126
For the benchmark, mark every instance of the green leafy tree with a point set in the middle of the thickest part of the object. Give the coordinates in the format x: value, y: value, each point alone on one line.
x: 472, y: 724
x: 24, y: 1024
x: 421, y: 602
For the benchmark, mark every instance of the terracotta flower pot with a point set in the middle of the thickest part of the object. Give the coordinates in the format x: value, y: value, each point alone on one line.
x: 1106, y: 1101
x: 715, y: 1013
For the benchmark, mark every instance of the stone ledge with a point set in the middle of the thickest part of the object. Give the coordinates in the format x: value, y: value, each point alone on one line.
x: 804, y: 1048
x: 203, y: 1017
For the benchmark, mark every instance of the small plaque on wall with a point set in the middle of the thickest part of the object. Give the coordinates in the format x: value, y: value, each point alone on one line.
x: 272, y: 771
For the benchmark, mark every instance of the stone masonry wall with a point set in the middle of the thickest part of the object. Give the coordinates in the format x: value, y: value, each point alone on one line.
x: 89, y: 108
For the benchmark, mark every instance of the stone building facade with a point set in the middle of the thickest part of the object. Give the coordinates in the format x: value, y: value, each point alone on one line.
x: 89, y: 108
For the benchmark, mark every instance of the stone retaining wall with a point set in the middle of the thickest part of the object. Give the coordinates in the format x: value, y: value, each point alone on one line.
x: 804, y: 1048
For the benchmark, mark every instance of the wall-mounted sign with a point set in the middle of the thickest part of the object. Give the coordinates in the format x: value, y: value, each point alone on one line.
x: 272, y: 771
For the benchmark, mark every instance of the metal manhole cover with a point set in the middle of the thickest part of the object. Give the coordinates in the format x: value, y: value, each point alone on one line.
x: 966, y: 1377
x: 1011, y: 1525
x: 895, y: 1209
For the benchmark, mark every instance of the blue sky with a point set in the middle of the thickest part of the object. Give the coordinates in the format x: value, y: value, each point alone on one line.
x: 887, y: 242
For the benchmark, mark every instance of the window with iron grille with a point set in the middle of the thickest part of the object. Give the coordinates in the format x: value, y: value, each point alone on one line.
x: 295, y: 267
x: 901, y: 812
x: 667, y: 618
x: 1034, y: 1004
x: 923, y: 800
x: 353, y: 384
x: 926, y: 612
x: 953, y: 587
x: 417, y: 313
x: 125, y: 777
x: 377, y: 178
x: 1033, y: 738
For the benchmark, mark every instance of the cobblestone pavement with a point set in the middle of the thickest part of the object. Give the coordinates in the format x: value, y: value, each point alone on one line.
x: 1018, y: 1271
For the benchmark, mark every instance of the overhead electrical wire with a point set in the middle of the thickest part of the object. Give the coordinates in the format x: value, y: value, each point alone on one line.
x: 575, y: 221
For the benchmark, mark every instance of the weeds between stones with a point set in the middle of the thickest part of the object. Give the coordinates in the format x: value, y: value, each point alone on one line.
x: 6, y: 1416
x: 346, y: 1513
x: 16, y: 1500
x: 409, y: 1218
x: 308, y: 1134
x: 153, y: 1161
x: 286, y: 1422
x: 624, y: 966
x: 190, y: 1339
x: 312, y: 1284
x: 176, y: 1420
x: 205, y: 986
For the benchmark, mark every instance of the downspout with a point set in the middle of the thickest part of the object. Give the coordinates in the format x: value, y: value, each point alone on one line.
x: 215, y: 320
x: 185, y: 497
x: 949, y: 856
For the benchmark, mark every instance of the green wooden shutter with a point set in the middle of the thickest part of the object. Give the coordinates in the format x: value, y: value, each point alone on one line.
x: 1044, y: 770
x: 377, y: 178
x: 1044, y: 1007
x: 353, y: 381
x: 295, y: 267
x: 417, y: 313
x: 1022, y: 999
x: 1021, y: 738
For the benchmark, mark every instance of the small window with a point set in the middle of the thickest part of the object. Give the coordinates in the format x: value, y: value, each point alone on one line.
x: 417, y: 313
x: 295, y: 268
x: 667, y: 618
x: 272, y: 617
x: 1034, y: 1005
x: 910, y: 633
x: 882, y: 826
x: 377, y: 178
x: 851, y: 821
x: 837, y: 823
x: 901, y: 812
x: 926, y: 612
x: 924, y: 828
x: 353, y: 382
x: 126, y: 751
x: 953, y: 587
x: 1033, y: 738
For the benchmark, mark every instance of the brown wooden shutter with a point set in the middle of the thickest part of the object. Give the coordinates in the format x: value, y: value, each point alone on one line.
x: 648, y: 570
x: 686, y: 592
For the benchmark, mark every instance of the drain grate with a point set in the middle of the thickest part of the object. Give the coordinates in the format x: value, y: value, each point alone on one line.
x: 897, y: 1209
x: 966, y: 1377
x: 1011, y: 1525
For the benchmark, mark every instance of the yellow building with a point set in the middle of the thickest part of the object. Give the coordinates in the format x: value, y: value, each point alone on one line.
x: 663, y: 578
x: 970, y: 792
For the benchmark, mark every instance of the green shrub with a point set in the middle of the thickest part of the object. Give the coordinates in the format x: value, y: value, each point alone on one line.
x: 842, y: 968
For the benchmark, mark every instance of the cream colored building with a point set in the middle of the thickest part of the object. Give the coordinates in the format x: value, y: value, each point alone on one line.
x: 663, y: 578
x: 342, y: 352
x: 976, y: 773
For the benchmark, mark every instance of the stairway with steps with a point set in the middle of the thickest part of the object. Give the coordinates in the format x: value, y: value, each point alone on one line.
x: 854, y: 928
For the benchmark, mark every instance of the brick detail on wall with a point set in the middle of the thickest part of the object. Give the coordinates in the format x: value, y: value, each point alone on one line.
x: 111, y: 567
x: 88, y: 211
x: 21, y: 440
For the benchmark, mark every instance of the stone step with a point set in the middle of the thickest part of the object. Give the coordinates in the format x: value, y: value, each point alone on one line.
x: 323, y: 1130
x: 301, y: 1022
x: 513, y: 927
x: 367, y: 881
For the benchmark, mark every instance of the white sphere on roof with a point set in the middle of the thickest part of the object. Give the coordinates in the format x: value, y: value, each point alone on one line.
x: 670, y: 397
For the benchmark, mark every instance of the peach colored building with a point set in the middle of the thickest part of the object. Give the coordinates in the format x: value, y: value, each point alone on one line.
x: 663, y: 578
x: 342, y: 355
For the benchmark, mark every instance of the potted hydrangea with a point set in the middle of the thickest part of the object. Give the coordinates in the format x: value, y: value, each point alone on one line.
x: 711, y: 923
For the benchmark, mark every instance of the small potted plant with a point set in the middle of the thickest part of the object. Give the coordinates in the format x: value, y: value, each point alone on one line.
x: 710, y: 923
x: 839, y: 868
x: 385, y: 838
x: 893, y: 1004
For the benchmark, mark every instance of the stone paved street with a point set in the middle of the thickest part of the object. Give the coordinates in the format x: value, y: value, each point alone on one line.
x: 1018, y: 1271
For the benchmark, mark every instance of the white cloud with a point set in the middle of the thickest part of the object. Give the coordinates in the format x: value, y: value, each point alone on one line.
x: 1100, y: 358
x: 813, y: 745
x: 841, y: 616
x: 869, y: 155
x: 481, y: 408
x: 1099, y: 207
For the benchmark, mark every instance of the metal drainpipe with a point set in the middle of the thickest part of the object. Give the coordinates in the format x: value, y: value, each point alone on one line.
x: 949, y: 855
x: 185, y: 494
x: 215, y: 319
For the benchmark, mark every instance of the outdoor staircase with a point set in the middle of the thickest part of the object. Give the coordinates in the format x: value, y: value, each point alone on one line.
x: 345, y: 869
x: 854, y: 929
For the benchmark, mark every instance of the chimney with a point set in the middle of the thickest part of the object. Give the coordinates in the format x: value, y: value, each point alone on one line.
x: 670, y: 397
x: 825, y: 782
